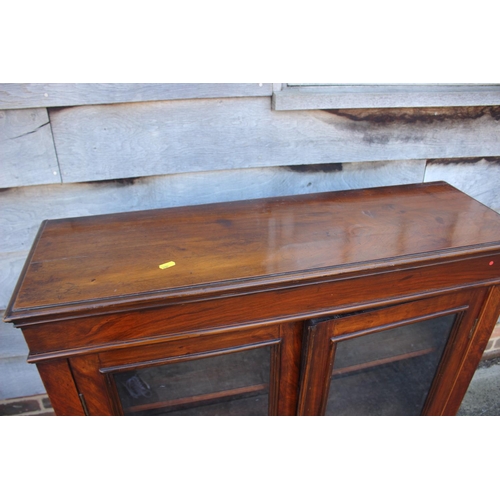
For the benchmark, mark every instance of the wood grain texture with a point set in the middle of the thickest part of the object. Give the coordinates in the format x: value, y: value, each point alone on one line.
x: 176, y: 349
x: 58, y: 381
x: 90, y: 329
x: 130, y: 140
x: 19, y: 379
x: 247, y: 245
x: 93, y: 296
x: 291, y: 348
x: 27, y: 153
x: 12, y: 342
x: 309, y: 96
x: 90, y: 384
x: 11, y: 265
x: 23, y: 209
x: 322, y: 336
x: 479, y: 178
x: 455, y: 353
x: 207, y: 348
x: 30, y: 95
x: 477, y: 341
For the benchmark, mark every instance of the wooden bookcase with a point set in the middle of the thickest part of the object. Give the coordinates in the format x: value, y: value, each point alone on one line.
x: 367, y: 302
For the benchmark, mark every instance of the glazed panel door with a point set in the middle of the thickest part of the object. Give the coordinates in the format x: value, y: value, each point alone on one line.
x: 234, y: 373
x: 396, y: 360
x: 231, y: 382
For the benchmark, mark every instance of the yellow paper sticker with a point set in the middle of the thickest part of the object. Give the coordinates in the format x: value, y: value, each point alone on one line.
x: 167, y: 265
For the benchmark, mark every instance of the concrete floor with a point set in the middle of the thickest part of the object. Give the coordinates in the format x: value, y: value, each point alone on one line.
x: 483, y: 395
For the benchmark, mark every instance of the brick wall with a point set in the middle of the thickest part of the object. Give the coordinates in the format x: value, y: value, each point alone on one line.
x: 35, y: 405
x: 493, y: 348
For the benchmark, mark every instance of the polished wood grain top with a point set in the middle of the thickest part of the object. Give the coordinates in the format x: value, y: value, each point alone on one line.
x: 240, y: 245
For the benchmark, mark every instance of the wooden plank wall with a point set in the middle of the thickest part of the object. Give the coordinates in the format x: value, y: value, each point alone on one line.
x: 27, y: 150
x: 83, y: 149
x: 331, y: 96
x: 34, y: 95
x: 99, y: 142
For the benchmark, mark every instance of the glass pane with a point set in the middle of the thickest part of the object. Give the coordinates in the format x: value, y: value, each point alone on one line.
x: 226, y: 384
x: 388, y: 372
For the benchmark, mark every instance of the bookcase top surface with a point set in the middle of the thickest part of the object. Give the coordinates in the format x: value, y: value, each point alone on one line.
x: 237, y: 246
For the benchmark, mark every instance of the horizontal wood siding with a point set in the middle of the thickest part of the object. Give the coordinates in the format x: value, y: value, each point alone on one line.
x: 311, y: 96
x: 19, y: 378
x: 34, y: 95
x: 131, y: 140
x: 27, y: 152
x: 478, y: 177
x: 83, y: 149
x: 11, y: 265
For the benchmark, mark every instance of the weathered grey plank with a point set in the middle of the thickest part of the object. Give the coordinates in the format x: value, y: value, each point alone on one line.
x: 11, y: 265
x: 33, y: 95
x: 478, y: 177
x: 23, y: 209
x: 12, y: 343
x: 313, y: 96
x: 130, y: 140
x: 27, y: 154
x: 19, y: 379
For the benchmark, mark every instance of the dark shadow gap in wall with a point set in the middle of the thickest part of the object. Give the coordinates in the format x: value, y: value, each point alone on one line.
x: 463, y: 161
x: 128, y: 181
x: 321, y: 167
x: 417, y: 115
